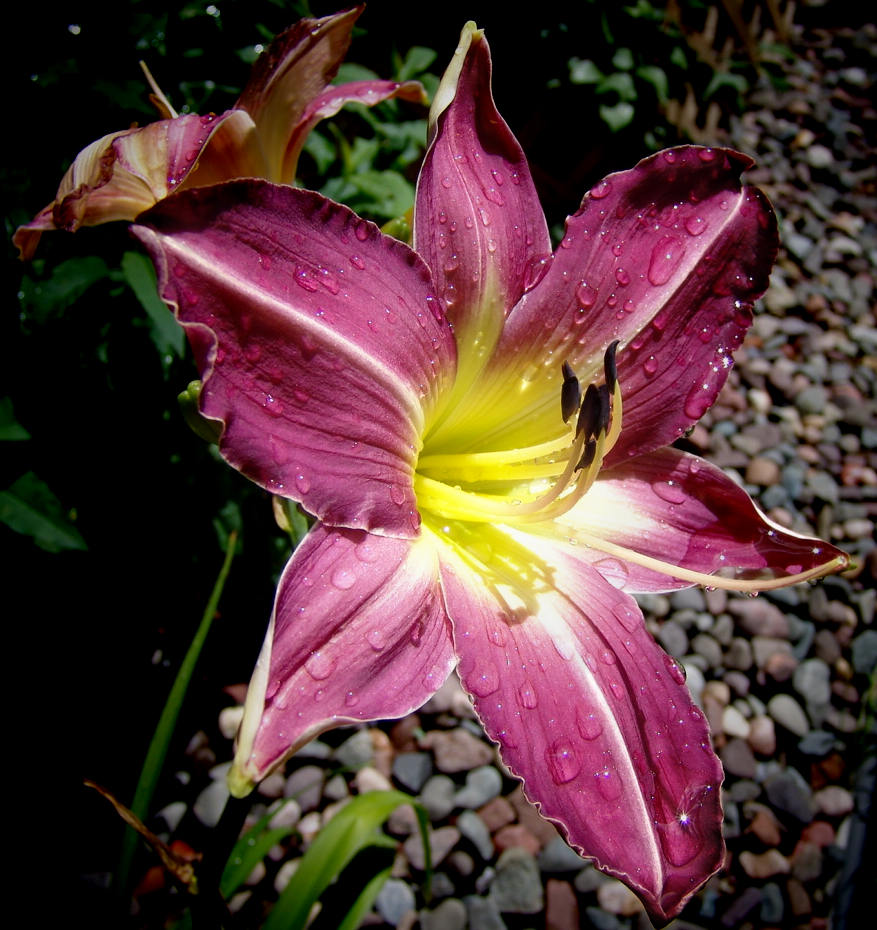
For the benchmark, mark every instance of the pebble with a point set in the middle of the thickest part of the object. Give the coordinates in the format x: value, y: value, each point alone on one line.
x: 764, y: 824
x: 449, y: 915
x: 762, y: 735
x: 757, y: 616
x: 734, y: 723
x: 437, y: 796
x: 787, y: 712
x: 516, y: 835
x: 673, y: 638
x: 737, y: 758
x: 788, y: 792
x: 864, y: 648
x: 441, y: 841
x: 483, y: 913
x: 559, y: 856
x: 807, y: 862
x: 355, y: 751
x: 497, y: 813
x: 561, y: 906
x: 617, y: 898
x: 764, y: 865
x: 472, y: 828
x: 457, y: 750
x: 834, y: 801
x: 395, y: 900
x: 517, y: 887
x: 482, y: 784
x: 772, y: 905
x: 412, y: 769
x: 305, y: 784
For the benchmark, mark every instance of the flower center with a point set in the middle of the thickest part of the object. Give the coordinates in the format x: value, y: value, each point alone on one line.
x: 534, y: 483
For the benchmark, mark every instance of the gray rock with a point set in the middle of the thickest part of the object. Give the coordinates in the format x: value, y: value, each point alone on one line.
x: 812, y: 680
x: 787, y: 712
x: 558, y: 856
x: 411, y: 769
x: 441, y: 842
x: 483, y: 913
x: 704, y: 644
x: 449, y: 915
x: 673, y: 638
x: 865, y: 652
x: 395, y: 900
x: 787, y: 791
x: 600, y: 920
x: 356, y: 750
x: 472, y: 827
x: 817, y: 743
x: 772, y: 904
x: 306, y: 786
x: 438, y: 796
x: 482, y: 785
x: 517, y: 888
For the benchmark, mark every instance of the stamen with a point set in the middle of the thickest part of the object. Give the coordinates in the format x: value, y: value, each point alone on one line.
x: 570, y: 392
x: 590, y: 416
x: 610, y: 370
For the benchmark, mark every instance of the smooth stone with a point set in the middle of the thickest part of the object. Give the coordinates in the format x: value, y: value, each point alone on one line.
x: 306, y: 786
x: 807, y: 862
x: 617, y: 898
x: 589, y: 879
x: 497, y: 813
x: 210, y: 803
x: 673, y: 638
x: 688, y: 598
x: 764, y: 824
x: 472, y: 828
x: 788, y: 792
x: 704, y: 645
x: 561, y: 906
x: 482, y: 785
x: 517, y: 888
x: 483, y: 913
x: 812, y: 680
x: 787, y: 712
x: 395, y: 900
x: 764, y: 865
x: 834, y: 801
x: 864, y: 649
x: 742, y: 905
x: 758, y: 616
x: 457, y: 750
x: 772, y: 905
x: 739, y: 654
x: 516, y: 834
x: 765, y: 647
x: 437, y: 796
x: 441, y: 841
x: 817, y: 743
x: 762, y: 735
x: 356, y: 750
x: 412, y: 769
x: 734, y: 723
x: 559, y: 856
x: 449, y: 915
x: 600, y: 920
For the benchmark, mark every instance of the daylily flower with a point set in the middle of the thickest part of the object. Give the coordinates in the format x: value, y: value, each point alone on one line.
x: 473, y: 509
x: 289, y: 92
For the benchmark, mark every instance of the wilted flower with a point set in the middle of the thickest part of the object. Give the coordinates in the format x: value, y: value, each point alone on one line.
x: 289, y: 92
x: 473, y: 508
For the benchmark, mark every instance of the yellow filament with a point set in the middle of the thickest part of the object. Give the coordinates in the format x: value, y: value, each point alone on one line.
x: 463, y: 460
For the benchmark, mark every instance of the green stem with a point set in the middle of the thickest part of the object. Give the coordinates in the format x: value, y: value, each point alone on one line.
x: 161, y: 739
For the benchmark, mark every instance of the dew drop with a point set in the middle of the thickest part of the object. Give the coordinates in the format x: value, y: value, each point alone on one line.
x: 617, y: 249
x: 698, y: 401
x: 666, y: 255
x: 601, y: 190
x: 563, y: 762
x: 527, y: 695
x: 304, y: 280
x: 343, y: 579
x: 629, y: 617
x: 608, y: 782
x: 485, y: 680
x: 447, y: 183
x: 588, y: 725
x: 650, y: 365
x: 586, y: 295
x: 622, y: 277
x: 706, y: 155
x: 350, y: 699
x: 357, y: 262
x: 607, y: 657
x: 695, y: 225
x: 677, y: 671
x: 669, y: 491
x: 302, y: 483
x: 617, y: 690
x: 367, y: 552
x: 361, y: 230
x: 319, y: 666
x: 376, y: 639
x: 397, y: 495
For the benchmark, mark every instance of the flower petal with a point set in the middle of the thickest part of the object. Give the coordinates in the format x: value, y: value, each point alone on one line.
x: 358, y: 633
x: 591, y: 714
x: 667, y: 258
x: 477, y: 220
x: 122, y: 174
x: 678, y: 509
x: 321, y: 347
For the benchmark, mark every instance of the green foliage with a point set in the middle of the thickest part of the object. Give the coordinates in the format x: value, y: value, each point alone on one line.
x: 165, y: 332
x: 30, y: 508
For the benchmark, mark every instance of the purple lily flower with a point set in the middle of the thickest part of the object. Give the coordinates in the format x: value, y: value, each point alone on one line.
x: 475, y: 507
x: 124, y: 173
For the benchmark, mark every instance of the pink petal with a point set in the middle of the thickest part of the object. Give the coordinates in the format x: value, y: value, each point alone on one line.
x: 477, y: 219
x: 667, y: 258
x: 675, y: 507
x: 320, y: 345
x: 593, y: 716
x: 358, y: 633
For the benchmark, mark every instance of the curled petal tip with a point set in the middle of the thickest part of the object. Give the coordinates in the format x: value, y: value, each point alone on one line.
x: 239, y: 784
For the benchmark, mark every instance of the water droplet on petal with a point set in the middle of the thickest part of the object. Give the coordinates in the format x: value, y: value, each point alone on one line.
x: 527, y: 695
x: 650, y: 365
x: 695, y: 225
x: 587, y: 295
x: 666, y: 255
x: 357, y: 262
x: 563, y: 762
x: 319, y: 665
x: 608, y: 782
x: 304, y: 280
x: 485, y: 679
x: 397, y: 495
x: 350, y: 699
x: 588, y: 725
x: 376, y: 639
x: 343, y: 579
x: 622, y: 277
x: 629, y: 617
x: 677, y: 671
x: 669, y: 491
x: 601, y: 190
x: 302, y: 483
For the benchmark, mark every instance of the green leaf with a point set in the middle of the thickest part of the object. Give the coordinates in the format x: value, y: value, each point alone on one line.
x: 363, y: 904
x: 417, y: 60
x: 386, y: 193
x: 10, y: 429
x: 349, y: 71
x: 30, y: 508
x: 353, y: 828
x: 249, y: 851
x: 617, y: 117
x: 657, y: 77
x: 623, y: 59
x: 67, y: 283
x: 321, y: 150
x: 584, y: 71
x: 620, y: 83
x: 677, y: 57
x: 722, y: 79
x: 166, y: 332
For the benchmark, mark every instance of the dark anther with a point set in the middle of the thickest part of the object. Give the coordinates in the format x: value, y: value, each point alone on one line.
x: 603, y: 392
x: 570, y: 393
x: 609, y: 368
x: 588, y: 454
x: 589, y: 416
